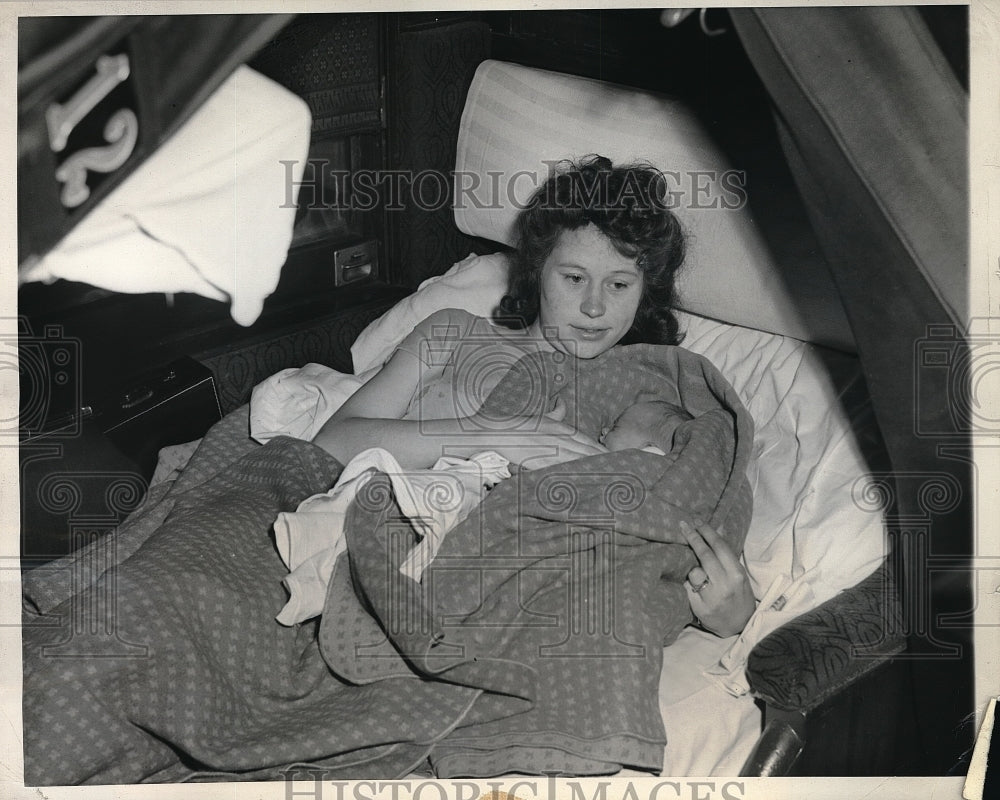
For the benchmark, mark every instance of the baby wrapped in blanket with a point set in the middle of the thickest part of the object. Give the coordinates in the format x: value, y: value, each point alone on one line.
x: 649, y: 425
x: 678, y: 436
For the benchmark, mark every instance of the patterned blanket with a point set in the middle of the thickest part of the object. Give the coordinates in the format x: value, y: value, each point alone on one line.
x: 533, y: 644
x: 556, y: 596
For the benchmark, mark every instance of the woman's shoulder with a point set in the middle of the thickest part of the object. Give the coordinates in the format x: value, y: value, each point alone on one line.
x: 439, y: 334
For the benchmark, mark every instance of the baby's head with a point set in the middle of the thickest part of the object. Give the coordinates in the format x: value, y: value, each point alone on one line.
x: 648, y: 422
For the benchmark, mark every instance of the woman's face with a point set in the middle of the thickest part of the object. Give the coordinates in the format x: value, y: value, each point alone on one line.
x: 589, y: 293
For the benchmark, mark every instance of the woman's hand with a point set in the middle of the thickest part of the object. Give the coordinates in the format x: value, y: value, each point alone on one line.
x: 718, y: 588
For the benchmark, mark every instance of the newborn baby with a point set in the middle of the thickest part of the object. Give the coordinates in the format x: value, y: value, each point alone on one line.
x: 646, y: 425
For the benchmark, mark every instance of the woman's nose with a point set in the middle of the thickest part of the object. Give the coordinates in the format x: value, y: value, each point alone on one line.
x: 592, y: 305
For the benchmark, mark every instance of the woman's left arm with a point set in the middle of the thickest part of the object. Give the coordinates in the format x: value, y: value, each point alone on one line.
x: 718, y: 588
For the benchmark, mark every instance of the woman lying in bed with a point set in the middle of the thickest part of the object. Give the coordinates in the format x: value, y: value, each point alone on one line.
x: 171, y: 664
x: 597, y: 257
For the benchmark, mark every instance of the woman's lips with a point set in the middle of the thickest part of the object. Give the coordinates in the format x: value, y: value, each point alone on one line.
x: 590, y: 334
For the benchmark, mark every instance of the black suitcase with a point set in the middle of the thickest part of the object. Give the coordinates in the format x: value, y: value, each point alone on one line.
x: 84, y: 473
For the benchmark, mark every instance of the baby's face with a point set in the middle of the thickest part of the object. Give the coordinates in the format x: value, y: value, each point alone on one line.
x: 640, y: 425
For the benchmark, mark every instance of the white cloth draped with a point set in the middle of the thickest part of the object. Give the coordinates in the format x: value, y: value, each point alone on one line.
x: 210, y: 212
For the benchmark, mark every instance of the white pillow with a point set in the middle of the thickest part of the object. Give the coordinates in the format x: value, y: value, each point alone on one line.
x: 806, y: 530
x: 476, y: 283
x: 517, y: 120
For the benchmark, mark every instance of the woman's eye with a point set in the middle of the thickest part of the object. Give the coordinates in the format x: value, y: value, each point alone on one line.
x: 620, y: 285
x: 574, y: 278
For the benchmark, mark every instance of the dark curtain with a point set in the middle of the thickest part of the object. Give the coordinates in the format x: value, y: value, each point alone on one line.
x: 874, y: 125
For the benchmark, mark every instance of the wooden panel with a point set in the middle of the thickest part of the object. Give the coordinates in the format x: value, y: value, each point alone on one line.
x: 867, y: 729
x: 326, y: 341
x: 333, y: 62
x: 117, y: 336
x: 431, y: 69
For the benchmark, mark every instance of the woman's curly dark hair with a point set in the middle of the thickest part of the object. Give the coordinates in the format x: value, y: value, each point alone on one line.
x: 628, y: 204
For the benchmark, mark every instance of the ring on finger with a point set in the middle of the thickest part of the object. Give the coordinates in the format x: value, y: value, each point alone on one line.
x: 701, y: 586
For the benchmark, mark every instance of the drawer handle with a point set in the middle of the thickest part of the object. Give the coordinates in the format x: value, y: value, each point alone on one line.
x: 355, y: 272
